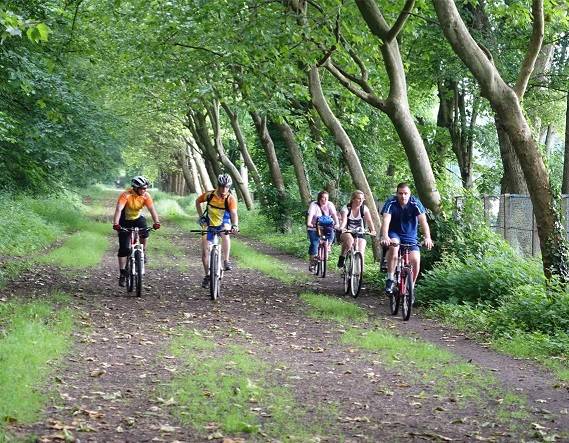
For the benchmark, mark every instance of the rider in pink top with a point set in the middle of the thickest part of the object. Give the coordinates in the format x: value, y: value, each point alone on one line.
x: 325, y: 209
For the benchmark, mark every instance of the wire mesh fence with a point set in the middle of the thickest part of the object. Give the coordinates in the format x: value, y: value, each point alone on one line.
x: 511, y: 215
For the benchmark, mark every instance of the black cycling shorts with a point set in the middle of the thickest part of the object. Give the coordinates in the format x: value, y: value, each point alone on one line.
x: 124, y: 237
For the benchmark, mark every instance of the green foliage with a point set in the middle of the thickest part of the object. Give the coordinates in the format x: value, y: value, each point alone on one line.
x: 34, y: 336
x: 472, y: 279
x: 82, y: 250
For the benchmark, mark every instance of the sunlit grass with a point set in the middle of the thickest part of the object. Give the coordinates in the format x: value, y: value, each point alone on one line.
x: 33, y: 336
x: 82, y: 250
x: 332, y: 308
x: 229, y: 387
x: 251, y: 259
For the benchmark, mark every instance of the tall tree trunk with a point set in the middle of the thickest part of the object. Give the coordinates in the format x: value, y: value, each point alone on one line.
x: 505, y: 102
x: 252, y: 168
x: 513, y: 180
x: 205, y: 178
x: 198, y: 184
x: 197, y: 124
x: 297, y: 161
x: 269, y: 147
x: 565, y: 182
x: 396, y: 106
x: 213, y: 112
x: 184, y: 163
x: 350, y: 155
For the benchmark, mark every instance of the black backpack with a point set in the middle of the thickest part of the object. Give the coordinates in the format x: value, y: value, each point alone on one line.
x: 208, y: 203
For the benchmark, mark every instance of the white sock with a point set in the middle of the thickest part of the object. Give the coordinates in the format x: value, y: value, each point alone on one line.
x: 390, y: 276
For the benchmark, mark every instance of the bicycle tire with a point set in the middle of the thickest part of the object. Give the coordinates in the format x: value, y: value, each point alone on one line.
x: 357, y: 274
x: 213, y: 273
x: 322, y: 260
x: 347, y: 273
x: 138, y: 272
x: 129, y: 277
x: 407, y: 297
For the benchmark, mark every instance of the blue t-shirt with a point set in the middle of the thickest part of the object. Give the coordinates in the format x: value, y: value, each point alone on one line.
x: 404, y: 220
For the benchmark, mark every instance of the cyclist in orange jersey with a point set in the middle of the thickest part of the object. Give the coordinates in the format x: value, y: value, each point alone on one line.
x: 220, y: 212
x: 128, y: 214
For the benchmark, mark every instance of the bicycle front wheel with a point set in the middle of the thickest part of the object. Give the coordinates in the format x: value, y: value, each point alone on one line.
x: 322, y: 260
x: 129, y: 273
x: 214, y: 274
x: 347, y: 273
x: 138, y: 272
x: 407, y: 296
x: 357, y: 273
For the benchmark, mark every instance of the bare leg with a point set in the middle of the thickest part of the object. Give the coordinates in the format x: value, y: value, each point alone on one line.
x: 225, y: 246
x: 122, y: 262
x: 347, y: 241
x: 205, y: 250
x: 415, y: 260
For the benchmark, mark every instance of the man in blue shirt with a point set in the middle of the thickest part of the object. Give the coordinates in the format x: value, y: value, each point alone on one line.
x: 402, y: 214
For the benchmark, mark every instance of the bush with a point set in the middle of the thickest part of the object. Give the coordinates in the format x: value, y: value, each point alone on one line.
x: 470, y: 279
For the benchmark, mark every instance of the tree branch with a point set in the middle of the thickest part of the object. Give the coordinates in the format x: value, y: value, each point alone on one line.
x: 400, y: 22
x: 536, y: 40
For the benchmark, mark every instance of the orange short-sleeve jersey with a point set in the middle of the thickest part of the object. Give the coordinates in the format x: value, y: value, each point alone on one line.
x: 134, y: 203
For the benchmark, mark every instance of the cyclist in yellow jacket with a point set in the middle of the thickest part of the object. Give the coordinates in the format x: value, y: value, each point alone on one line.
x: 220, y: 212
x: 128, y: 214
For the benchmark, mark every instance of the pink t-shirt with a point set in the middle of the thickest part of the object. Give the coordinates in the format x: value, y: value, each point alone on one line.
x: 315, y: 211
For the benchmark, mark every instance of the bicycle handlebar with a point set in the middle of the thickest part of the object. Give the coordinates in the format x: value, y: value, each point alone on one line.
x: 358, y: 231
x: 123, y: 229
x: 214, y: 230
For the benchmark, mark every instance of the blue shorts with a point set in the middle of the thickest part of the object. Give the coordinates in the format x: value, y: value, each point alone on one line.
x: 315, y: 239
x: 225, y: 224
x: 405, y: 240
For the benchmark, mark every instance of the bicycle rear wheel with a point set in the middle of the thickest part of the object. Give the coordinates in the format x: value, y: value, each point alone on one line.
x: 322, y: 260
x: 214, y: 272
x: 129, y: 273
x: 138, y: 273
x: 347, y: 273
x: 357, y: 273
x: 407, y: 296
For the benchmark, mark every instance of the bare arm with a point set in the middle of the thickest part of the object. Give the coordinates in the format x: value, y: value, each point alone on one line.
x: 117, y: 215
x: 385, y: 228
x: 154, y: 214
x: 234, y: 217
x: 369, y: 221
x: 426, y: 230
x: 343, y: 220
x: 199, y: 208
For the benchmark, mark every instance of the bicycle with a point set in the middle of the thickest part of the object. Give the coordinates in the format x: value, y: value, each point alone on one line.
x: 215, y: 260
x: 135, y: 260
x: 321, y: 262
x: 404, y: 292
x: 352, y: 271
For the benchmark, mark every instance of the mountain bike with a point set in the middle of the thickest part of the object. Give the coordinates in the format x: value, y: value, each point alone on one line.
x: 321, y: 261
x: 135, y: 260
x: 353, y: 269
x: 404, y: 291
x: 215, y: 260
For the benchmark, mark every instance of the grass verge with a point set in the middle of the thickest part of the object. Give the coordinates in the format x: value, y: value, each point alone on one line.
x: 449, y: 375
x: 332, y: 308
x: 225, y: 390
x: 33, y: 336
x: 251, y: 259
x: 82, y: 250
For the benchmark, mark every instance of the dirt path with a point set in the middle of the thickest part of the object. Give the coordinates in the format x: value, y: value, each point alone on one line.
x: 106, y: 391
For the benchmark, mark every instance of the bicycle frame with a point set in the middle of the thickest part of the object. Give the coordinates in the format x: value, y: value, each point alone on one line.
x: 353, y: 266
x: 135, y: 260
x: 322, y: 254
x: 404, y: 291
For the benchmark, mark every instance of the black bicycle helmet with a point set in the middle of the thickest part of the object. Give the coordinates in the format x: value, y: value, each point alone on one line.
x: 139, y: 182
x: 224, y: 180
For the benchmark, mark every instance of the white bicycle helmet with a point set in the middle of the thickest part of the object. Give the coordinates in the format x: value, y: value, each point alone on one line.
x: 139, y: 182
x: 224, y: 180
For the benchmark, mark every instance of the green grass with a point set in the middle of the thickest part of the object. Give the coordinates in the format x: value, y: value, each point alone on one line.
x: 228, y: 387
x: 332, y: 308
x: 448, y: 374
x: 164, y: 253
x: 33, y: 336
x: 82, y: 250
x: 251, y: 259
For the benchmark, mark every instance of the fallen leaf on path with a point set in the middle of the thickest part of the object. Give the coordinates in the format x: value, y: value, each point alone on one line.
x: 429, y: 435
x: 97, y: 372
x: 168, y: 428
